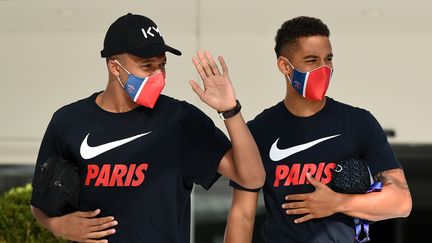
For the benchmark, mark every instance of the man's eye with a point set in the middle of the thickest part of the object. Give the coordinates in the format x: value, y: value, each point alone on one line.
x: 329, y: 59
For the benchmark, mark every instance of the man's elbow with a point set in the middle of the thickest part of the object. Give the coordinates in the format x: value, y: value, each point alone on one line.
x: 406, y: 207
x: 33, y: 209
x: 402, y: 205
x: 261, y: 178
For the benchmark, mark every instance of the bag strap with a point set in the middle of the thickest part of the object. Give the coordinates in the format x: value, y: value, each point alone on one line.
x: 364, y: 224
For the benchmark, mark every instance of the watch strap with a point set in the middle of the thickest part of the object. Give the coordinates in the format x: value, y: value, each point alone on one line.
x: 230, y: 113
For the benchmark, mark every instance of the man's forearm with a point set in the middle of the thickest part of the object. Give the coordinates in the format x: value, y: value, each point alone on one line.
x: 241, y: 217
x: 238, y: 230
x: 393, y: 201
x: 247, y: 159
x: 376, y: 206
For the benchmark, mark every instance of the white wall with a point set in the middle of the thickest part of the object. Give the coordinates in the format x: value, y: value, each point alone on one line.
x: 390, y: 76
x: 384, y: 72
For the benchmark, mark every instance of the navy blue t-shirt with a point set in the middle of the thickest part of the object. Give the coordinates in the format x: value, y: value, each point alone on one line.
x: 138, y: 166
x: 291, y: 146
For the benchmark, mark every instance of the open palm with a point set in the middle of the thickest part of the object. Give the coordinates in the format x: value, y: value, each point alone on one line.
x: 218, y: 91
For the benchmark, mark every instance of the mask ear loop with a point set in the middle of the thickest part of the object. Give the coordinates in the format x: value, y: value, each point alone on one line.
x: 291, y: 67
x: 121, y: 84
x: 289, y: 62
x: 118, y: 78
x: 122, y: 67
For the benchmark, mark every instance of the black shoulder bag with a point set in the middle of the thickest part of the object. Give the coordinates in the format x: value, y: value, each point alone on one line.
x: 352, y: 176
x: 56, y: 187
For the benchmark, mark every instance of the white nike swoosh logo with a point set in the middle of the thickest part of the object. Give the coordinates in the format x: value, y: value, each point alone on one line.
x: 277, y: 154
x: 88, y: 152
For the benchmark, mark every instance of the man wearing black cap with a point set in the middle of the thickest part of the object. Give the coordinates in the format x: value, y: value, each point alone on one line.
x: 139, y: 153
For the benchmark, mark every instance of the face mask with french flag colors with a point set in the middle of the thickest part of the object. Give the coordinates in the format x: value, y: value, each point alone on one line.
x: 143, y: 90
x: 311, y: 85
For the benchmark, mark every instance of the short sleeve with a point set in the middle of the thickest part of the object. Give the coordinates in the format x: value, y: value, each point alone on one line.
x: 233, y: 184
x: 203, y: 146
x: 377, y: 151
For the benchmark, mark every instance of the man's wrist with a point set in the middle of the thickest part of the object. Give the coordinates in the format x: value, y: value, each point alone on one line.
x: 230, y: 113
x: 342, y: 202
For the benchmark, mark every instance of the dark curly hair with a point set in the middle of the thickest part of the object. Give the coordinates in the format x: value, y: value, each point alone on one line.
x: 295, y: 28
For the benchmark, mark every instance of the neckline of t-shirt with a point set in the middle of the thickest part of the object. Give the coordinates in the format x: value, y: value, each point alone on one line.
x: 116, y: 114
x: 328, y: 104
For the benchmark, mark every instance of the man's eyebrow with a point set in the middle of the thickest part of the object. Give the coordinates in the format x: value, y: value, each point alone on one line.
x: 310, y: 56
x: 150, y: 59
x: 315, y: 56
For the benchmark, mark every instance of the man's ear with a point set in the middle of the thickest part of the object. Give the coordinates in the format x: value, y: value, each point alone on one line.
x: 113, y: 67
x: 283, y: 66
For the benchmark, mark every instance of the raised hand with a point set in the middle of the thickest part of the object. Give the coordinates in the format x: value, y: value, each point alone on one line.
x: 218, y: 91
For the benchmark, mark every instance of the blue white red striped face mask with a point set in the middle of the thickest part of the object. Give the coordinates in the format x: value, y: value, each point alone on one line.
x: 143, y: 90
x: 311, y: 85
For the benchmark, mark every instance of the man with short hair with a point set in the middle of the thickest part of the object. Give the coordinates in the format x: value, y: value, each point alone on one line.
x: 139, y: 153
x: 301, y: 139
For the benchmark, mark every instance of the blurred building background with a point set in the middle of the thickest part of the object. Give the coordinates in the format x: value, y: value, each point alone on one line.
x: 50, y: 56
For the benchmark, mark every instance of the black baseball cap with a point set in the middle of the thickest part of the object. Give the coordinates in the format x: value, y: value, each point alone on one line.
x: 137, y: 35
